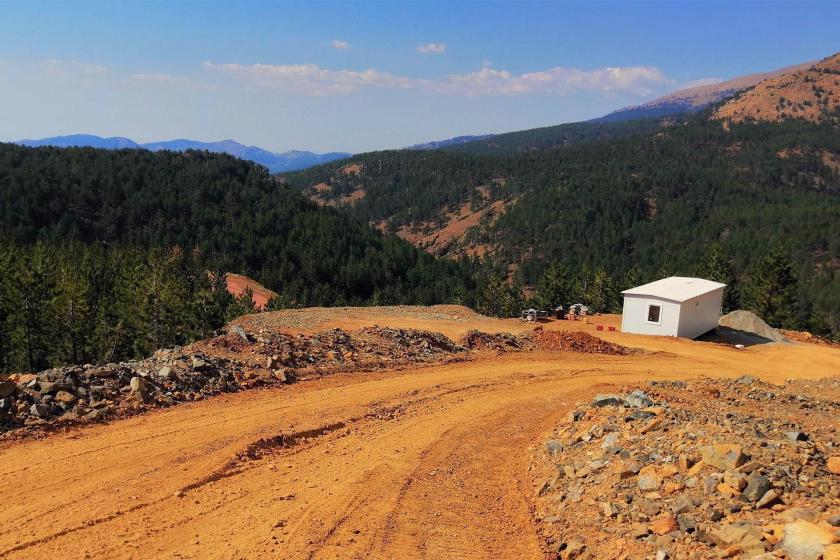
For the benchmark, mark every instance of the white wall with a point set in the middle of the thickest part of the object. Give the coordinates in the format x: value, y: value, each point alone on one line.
x: 635, y: 314
x: 700, y: 315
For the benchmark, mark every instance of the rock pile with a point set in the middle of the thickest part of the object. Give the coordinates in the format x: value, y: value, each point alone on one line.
x: 85, y: 393
x: 501, y: 342
x: 337, y: 350
x: 230, y: 362
x: 704, y: 469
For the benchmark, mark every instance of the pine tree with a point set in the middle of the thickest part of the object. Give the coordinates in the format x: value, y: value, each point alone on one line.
x: 601, y: 294
x: 9, y: 305
x: 39, y: 301
x: 717, y: 267
x: 553, y: 288
x: 770, y: 290
x: 75, y: 322
x: 492, y: 298
x: 243, y: 304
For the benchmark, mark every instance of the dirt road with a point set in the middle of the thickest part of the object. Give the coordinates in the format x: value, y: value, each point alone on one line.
x: 422, y: 463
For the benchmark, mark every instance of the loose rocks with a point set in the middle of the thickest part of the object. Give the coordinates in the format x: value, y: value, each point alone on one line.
x: 697, y: 477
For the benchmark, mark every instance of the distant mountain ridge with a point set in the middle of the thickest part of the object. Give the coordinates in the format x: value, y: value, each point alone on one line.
x: 695, y: 98
x: 275, y: 162
x: 455, y: 141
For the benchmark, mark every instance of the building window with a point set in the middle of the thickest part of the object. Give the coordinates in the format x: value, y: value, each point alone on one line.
x: 653, y: 313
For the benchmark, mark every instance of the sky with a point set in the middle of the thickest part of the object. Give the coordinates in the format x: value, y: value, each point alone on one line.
x: 357, y: 76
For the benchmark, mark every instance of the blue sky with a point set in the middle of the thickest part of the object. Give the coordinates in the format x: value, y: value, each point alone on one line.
x: 356, y: 76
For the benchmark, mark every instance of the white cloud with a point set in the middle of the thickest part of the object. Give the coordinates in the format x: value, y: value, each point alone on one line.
x: 432, y: 48
x: 310, y: 79
x: 340, y: 45
x: 73, y: 67
x: 639, y: 80
x: 158, y: 78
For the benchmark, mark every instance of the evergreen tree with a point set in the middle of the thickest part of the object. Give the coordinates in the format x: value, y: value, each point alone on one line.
x: 770, y: 290
x: 9, y: 305
x: 39, y: 314
x: 717, y: 267
x: 492, y: 297
x: 601, y: 297
x: 243, y: 304
x: 74, y: 313
x: 553, y: 288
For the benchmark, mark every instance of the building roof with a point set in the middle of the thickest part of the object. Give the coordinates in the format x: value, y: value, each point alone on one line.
x: 676, y: 288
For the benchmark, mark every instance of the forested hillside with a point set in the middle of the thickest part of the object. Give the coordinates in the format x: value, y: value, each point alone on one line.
x: 655, y: 201
x: 559, y: 135
x: 100, y: 226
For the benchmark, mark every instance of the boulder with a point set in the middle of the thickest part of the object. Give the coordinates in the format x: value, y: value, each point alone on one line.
x: 607, y: 400
x: 7, y: 388
x: 100, y: 372
x: 648, y: 481
x: 139, y: 389
x: 40, y: 410
x: 638, y: 399
x: 833, y: 464
x: 65, y: 397
x: 745, y: 536
x: 664, y: 525
x: 682, y: 504
x: 240, y: 332
x: 723, y: 456
x: 769, y: 498
x: 804, y: 540
x: 757, y: 487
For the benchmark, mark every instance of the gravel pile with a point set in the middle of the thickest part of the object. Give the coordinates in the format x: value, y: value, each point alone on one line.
x: 705, y: 469
x: 88, y: 393
x: 501, y: 342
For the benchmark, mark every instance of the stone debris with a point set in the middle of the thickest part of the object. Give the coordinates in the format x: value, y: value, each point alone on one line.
x: 250, y: 354
x: 230, y: 362
x: 747, y: 471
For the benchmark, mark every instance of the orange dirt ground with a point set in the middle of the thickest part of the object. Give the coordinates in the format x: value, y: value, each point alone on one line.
x: 426, y: 462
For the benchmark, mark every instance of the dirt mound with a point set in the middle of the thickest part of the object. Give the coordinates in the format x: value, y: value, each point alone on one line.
x: 749, y: 322
x: 502, y: 342
x: 802, y: 336
x: 579, y: 341
x: 315, y: 318
x: 697, y: 469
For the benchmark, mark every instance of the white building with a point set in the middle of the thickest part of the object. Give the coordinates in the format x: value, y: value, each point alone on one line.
x: 675, y: 306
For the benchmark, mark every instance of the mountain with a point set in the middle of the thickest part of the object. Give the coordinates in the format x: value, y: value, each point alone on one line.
x: 523, y: 141
x: 638, y: 119
x: 650, y: 195
x: 275, y: 162
x: 811, y: 93
x: 434, y: 145
x: 82, y: 140
x: 695, y: 98
x: 231, y: 210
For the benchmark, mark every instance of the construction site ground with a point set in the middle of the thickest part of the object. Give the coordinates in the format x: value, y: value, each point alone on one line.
x: 427, y: 461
